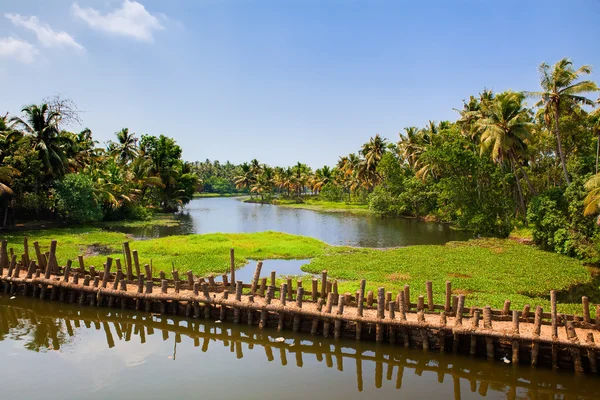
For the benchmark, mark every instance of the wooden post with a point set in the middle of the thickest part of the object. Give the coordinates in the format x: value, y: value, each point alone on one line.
x: 327, y: 321
x: 585, y: 303
x: 407, y: 298
x: 379, y: 333
x: 106, y: 276
x: 515, y: 341
x: 553, y: 314
x: 25, y: 252
x: 454, y: 304
x: 315, y: 322
x: 297, y: 318
x: 459, y: 310
x: 264, y: 313
x: 238, y: 297
x: 289, y: 289
x: 537, y: 326
x: 323, y: 284
x: 338, y: 322
x: 274, y: 280
x: 574, y: 350
x: 136, y: 263
x: 420, y: 303
x: 429, y: 287
x: 442, y: 333
x: 256, y: 277
x: 447, y: 305
x: 128, y: 262
x: 149, y: 287
x: 370, y: 299
x: 506, y: 308
x: 474, y: 325
x: 591, y: 352
x: 315, y: 285
x: 232, y: 265
x: 360, y: 301
x: 263, y: 286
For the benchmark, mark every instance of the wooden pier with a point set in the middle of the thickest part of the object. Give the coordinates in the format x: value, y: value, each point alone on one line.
x: 528, y: 336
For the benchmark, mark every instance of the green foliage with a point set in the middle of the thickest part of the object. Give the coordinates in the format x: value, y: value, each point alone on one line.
x: 488, y: 271
x: 331, y: 192
x: 75, y: 199
x: 559, y: 224
x: 215, y: 184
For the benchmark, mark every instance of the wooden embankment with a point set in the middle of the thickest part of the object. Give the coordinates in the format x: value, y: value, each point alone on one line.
x: 523, y: 337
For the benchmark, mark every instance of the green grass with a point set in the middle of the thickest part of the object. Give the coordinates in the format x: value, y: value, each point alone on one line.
x: 487, y: 271
x: 157, y: 220
x: 200, y: 195
x: 326, y: 206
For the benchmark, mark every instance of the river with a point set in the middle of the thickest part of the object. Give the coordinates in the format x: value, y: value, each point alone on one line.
x: 231, y: 215
x: 56, y: 350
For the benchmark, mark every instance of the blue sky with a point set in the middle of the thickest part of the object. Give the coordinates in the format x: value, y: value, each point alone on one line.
x: 280, y: 80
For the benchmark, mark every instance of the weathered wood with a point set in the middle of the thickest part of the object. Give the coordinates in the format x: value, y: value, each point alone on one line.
x: 537, y: 326
x: 289, y: 289
x: 553, y: 313
x: 447, y: 304
x: 585, y: 304
x: 407, y: 297
x: 506, y: 308
x: 429, y: 288
x: 420, y: 303
x: 315, y: 323
x: 370, y: 299
x: 315, y: 285
x: 589, y: 339
x: 574, y: 350
x: 328, y: 308
x: 337, y: 330
x: 515, y: 342
x: 379, y: 331
x: 297, y: 317
x: 256, y: 277
x: 323, y: 284
x: 128, y: 261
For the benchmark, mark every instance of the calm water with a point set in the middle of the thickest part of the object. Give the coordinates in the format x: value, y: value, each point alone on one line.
x: 54, y: 350
x: 230, y: 215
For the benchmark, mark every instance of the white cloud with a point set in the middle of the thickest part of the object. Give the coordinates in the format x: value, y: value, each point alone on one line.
x: 132, y: 20
x: 46, y: 35
x: 17, y: 49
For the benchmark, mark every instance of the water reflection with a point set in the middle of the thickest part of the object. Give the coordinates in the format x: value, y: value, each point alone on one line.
x: 104, y: 351
x: 208, y: 215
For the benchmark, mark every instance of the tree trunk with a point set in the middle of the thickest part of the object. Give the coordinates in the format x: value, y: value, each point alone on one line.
x: 597, y: 150
x: 559, y: 144
x: 531, y: 188
x: 520, y: 191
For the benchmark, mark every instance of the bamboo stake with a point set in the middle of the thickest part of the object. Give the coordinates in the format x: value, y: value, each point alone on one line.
x: 256, y: 277
x: 429, y: 287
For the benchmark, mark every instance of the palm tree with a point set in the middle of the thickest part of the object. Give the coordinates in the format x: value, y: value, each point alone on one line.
x: 246, y: 177
x: 592, y: 200
x: 41, y: 124
x: 505, y: 129
x: 561, y: 93
x: 125, y: 149
x: 322, y: 177
x: 8, y: 136
x: 264, y: 182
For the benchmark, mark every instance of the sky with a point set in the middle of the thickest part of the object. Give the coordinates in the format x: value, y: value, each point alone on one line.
x: 280, y: 80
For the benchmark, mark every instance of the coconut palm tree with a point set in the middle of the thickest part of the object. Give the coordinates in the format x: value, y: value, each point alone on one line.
x: 126, y: 148
x: 246, y: 178
x: 322, y: 177
x: 505, y: 129
x: 561, y: 93
x: 41, y: 124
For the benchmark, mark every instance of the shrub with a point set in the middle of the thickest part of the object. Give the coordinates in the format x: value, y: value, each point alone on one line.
x: 75, y: 199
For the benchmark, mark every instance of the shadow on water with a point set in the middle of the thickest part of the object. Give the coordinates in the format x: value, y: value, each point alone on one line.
x: 590, y: 289
x: 104, y: 351
x: 231, y: 215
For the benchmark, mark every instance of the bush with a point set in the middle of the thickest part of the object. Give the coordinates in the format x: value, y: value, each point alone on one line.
x: 75, y: 199
x: 382, y: 202
x: 331, y: 192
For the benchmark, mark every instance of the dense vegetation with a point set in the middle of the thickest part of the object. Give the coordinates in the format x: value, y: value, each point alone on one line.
x: 502, y: 163
x: 46, y: 170
x: 489, y: 271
